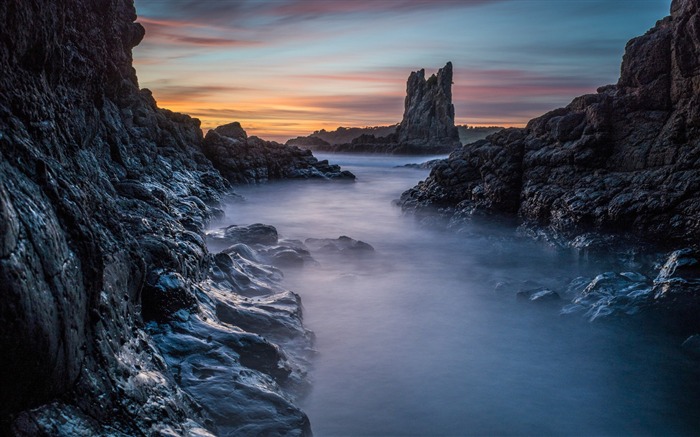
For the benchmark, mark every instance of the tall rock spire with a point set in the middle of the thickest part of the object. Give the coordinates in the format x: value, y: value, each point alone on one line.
x: 429, y: 115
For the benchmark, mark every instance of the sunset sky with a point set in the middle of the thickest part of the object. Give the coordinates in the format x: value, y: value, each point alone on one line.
x: 284, y: 68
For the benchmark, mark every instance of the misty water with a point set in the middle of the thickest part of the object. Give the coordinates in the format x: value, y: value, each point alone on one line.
x: 425, y: 337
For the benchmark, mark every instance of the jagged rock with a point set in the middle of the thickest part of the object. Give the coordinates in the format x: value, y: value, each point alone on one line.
x: 611, y: 293
x: 103, y: 201
x: 243, y: 159
x: 624, y: 159
x: 429, y: 116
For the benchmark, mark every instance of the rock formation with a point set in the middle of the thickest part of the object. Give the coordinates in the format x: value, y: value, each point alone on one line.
x: 241, y: 159
x: 427, y: 128
x: 103, y: 202
x: 429, y: 115
x: 625, y: 159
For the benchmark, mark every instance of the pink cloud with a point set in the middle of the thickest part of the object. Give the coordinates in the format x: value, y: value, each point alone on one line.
x: 179, y: 33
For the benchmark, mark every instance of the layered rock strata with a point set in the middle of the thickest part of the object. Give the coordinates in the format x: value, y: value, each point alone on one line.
x: 626, y: 159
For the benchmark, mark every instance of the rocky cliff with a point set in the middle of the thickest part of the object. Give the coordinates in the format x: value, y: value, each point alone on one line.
x: 626, y: 159
x: 427, y: 128
x: 112, y: 303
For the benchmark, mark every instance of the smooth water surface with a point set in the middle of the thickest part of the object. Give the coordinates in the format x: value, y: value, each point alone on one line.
x: 426, y: 337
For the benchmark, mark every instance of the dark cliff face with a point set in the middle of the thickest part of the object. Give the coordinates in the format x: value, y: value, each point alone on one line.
x: 103, y: 201
x: 429, y: 115
x: 624, y: 159
x: 79, y: 144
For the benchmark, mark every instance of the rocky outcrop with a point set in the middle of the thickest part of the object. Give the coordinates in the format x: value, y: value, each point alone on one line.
x: 427, y: 128
x: 243, y: 159
x: 626, y: 159
x: 111, y: 303
x: 429, y: 116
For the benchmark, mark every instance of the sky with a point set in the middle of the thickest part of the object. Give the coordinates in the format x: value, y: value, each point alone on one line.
x: 284, y: 68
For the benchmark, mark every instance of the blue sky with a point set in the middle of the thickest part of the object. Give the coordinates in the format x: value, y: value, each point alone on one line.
x: 287, y: 67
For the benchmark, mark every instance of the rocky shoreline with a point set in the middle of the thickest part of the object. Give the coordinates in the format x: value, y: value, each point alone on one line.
x: 620, y: 168
x: 117, y: 319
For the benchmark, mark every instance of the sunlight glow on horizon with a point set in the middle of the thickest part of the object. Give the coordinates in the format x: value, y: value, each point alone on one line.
x: 286, y: 68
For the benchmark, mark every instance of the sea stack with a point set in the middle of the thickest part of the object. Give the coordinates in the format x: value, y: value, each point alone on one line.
x: 429, y: 115
x: 428, y: 125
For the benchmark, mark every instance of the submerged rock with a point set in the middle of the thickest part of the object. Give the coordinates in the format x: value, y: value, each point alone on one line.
x: 611, y: 293
x: 539, y: 295
x: 341, y: 245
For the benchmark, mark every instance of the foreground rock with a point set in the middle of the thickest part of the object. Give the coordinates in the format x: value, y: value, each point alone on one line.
x: 229, y: 355
x: 427, y: 128
x: 625, y: 159
x: 241, y: 159
x: 103, y: 199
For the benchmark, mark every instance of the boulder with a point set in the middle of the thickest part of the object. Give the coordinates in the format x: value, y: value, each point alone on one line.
x: 256, y: 233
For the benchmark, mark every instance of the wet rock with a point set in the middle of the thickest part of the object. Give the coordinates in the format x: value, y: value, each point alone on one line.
x: 341, y: 245
x: 681, y: 266
x: 611, y: 293
x: 256, y: 233
x: 539, y: 295
x: 692, y: 345
x: 677, y: 287
x: 224, y: 355
x: 164, y: 294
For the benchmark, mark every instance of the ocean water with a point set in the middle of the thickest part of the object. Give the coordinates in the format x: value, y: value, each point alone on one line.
x: 425, y: 336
